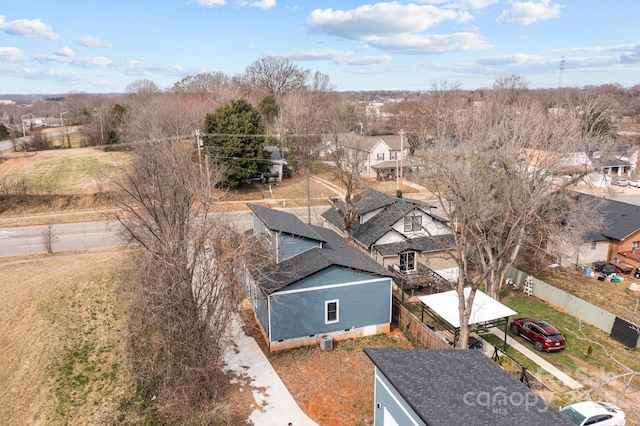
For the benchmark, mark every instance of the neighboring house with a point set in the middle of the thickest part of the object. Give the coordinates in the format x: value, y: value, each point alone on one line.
x: 452, y: 387
x: 400, y: 231
x: 624, y: 162
x: 381, y: 156
x: 313, y: 284
x: 561, y: 166
x: 276, y: 171
x: 617, y: 238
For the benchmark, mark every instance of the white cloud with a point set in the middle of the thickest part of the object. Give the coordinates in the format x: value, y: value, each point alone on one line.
x: 210, y: 3
x: 65, y: 51
x: 28, y: 28
x: 342, y: 57
x: 516, y: 59
x: 86, y: 62
x: 597, y: 49
x: 264, y: 4
x: 11, y: 54
x: 380, y: 19
x: 429, y: 44
x: 527, y: 13
x: 89, y: 41
x: 460, y: 4
x: 395, y: 27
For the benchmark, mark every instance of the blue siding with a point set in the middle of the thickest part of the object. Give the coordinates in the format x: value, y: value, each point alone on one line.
x: 332, y: 275
x: 292, y: 246
x: 262, y: 312
x: 302, y: 313
x: 389, y: 398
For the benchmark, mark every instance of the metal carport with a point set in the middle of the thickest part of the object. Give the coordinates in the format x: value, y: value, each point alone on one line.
x: 486, y: 312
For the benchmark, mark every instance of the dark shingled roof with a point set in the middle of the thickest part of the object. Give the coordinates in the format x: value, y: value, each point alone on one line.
x: 334, y: 252
x: 620, y: 219
x: 285, y: 222
x: 393, y: 209
x: 422, y: 245
x: 461, y: 387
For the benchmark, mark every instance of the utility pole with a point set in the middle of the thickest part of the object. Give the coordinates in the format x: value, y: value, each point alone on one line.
x: 401, y: 132
x: 63, y: 129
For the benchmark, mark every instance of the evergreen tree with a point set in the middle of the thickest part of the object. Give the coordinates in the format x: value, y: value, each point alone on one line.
x: 4, y: 132
x: 235, y: 140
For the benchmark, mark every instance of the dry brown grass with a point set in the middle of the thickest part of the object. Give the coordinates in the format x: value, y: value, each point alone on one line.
x: 63, y: 340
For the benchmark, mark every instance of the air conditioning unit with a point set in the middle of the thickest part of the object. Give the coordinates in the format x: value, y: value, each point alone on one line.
x: 326, y: 342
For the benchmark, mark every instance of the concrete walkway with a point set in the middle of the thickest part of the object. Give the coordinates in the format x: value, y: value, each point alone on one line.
x: 533, y: 356
x: 274, y: 405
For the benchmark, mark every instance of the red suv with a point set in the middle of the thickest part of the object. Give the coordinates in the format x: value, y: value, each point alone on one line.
x: 543, y: 335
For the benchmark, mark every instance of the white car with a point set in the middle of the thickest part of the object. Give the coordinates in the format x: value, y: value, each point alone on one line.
x: 635, y: 183
x: 594, y: 413
x: 622, y: 182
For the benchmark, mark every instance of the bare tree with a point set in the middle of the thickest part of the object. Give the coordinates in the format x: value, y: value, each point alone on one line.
x: 162, y: 116
x: 181, y: 283
x: 276, y: 75
x: 499, y: 182
x: 208, y: 85
x: 595, y: 111
x: 350, y: 160
x: 48, y: 238
x: 301, y: 114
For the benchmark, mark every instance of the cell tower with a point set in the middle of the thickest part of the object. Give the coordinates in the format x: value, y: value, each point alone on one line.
x: 561, y: 70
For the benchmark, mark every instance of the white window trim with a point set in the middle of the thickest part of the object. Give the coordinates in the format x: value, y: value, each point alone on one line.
x: 415, y: 256
x: 326, y: 311
x: 415, y: 221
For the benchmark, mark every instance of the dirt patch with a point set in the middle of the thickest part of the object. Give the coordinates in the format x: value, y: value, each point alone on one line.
x: 334, y: 388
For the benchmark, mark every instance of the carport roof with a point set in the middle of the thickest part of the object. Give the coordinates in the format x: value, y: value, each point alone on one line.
x: 484, y: 308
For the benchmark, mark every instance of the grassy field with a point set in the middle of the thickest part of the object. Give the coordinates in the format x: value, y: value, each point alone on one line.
x: 62, y: 331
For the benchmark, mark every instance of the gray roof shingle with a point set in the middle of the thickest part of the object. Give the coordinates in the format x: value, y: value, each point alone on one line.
x: 335, y: 251
x: 393, y: 209
x: 620, y: 219
x: 285, y: 222
x: 459, y: 387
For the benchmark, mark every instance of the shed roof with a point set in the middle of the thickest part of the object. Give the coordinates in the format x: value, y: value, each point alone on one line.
x: 460, y: 387
x: 484, y: 308
x: 286, y: 222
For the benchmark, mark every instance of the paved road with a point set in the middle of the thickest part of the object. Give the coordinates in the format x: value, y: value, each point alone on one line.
x: 19, y: 241
x: 8, y: 145
x: 71, y: 236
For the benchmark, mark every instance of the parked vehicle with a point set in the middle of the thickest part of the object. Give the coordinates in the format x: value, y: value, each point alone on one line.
x: 594, y: 413
x: 622, y: 182
x: 635, y: 183
x: 543, y: 335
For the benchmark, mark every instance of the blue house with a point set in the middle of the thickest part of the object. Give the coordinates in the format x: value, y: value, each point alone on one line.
x: 452, y: 387
x: 311, y: 283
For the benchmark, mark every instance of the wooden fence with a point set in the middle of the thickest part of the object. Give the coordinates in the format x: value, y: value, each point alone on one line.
x: 416, y: 330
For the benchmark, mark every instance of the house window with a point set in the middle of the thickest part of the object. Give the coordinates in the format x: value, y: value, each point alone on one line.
x: 635, y: 245
x: 408, y: 261
x: 393, y: 156
x: 331, y: 311
x: 593, y: 245
x: 412, y: 223
x: 380, y: 156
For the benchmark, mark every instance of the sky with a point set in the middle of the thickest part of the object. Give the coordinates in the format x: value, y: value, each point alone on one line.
x: 102, y: 46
